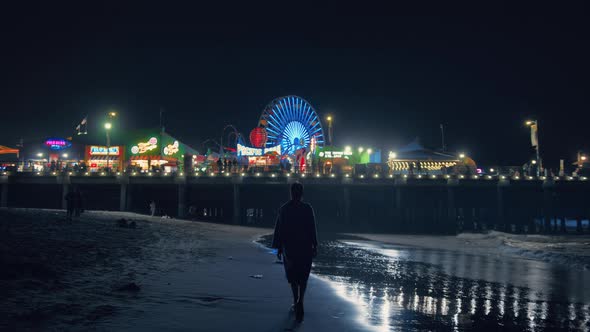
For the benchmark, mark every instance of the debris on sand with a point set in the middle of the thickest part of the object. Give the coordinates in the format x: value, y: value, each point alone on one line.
x: 130, y: 287
x: 122, y: 222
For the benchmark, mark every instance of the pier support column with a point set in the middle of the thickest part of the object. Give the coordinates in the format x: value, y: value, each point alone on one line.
x: 500, y: 217
x: 236, y: 205
x: 65, y: 189
x: 346, y: 207
x: 181, y: 200
x: 4, y: 195
x: 451, y: 210
x: 123, y: 197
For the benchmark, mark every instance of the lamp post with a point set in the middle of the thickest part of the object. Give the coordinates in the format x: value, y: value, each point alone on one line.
x: 107, y: 127
x: 534, y: 124
x: 329, y: 118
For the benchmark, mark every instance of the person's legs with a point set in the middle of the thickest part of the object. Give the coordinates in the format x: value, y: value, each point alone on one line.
x: 295, y: 290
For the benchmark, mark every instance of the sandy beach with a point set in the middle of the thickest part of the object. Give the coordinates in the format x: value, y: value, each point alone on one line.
x: 162, y: 274
x: 115, y: 271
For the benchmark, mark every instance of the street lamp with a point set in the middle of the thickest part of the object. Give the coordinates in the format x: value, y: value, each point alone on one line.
x: 461, y: 155
x: 107, y: 127
x: 329, y: 118
x: 534, y: 124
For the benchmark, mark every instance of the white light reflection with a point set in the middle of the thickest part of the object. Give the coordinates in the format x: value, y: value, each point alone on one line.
x: 385, y: 312
x: 488, y: 303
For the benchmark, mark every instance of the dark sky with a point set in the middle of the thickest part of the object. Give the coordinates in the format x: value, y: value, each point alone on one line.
x: 387, y: 75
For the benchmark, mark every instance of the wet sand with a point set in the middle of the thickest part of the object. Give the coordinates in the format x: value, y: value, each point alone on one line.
x: 82, y: 275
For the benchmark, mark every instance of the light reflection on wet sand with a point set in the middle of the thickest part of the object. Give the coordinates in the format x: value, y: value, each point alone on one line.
x: 401, y: 288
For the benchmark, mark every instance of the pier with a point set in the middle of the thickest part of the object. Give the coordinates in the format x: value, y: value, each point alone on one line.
x: 376, y: 203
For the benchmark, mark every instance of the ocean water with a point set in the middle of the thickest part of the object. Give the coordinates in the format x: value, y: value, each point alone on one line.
x: 402, y: 288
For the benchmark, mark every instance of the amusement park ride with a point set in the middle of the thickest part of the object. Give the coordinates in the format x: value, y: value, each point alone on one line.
x: 288, y: 127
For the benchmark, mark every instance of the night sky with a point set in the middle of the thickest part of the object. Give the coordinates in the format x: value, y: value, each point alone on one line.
x: 386, y: 75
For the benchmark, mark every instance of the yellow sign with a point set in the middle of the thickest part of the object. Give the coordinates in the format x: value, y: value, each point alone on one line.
x: 140, y: 148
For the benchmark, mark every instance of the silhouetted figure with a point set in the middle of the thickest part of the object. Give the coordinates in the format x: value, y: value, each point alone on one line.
x: 73, y: 202
x: 219, y: 165
x: 152, y: 208
x: 296, y: 241
x: 78, y: 203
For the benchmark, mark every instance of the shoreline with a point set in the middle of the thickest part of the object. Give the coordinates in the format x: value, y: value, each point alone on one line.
x: 190, y: 276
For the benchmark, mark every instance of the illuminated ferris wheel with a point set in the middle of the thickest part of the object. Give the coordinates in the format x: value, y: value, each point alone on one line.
x: 292, y: 123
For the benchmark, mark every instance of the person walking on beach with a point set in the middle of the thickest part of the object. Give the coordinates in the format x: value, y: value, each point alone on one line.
x: 152, y: 208
x: 70, y: 204
x: 295, y: 238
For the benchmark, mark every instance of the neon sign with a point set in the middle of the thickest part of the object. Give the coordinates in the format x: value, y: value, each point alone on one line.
x: 249, y: 151
x: 335, y: 154
x: 150, y: 145
x: 171, y: 149
x: 58, y: 143
x: 102, y: 150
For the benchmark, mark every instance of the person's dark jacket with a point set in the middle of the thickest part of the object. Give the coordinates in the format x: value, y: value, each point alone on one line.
x: 295, y: 230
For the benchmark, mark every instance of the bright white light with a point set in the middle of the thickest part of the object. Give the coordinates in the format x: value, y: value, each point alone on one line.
x: 118, y: 173
x: 489, y: 177
x: 461, y: 155
x: 87, y: 173
x: 419, y: 176
x: 433, y: 176
x: 108, y: 126
x: 303, y: 175
x: 332, y: 175
x: 150, y: 173
x: 405, y: 175
x: 39, y: 154
x: 369, y: 151
x: 52, y: 173
x: 212, y: 174
x: 257, y: 174
x: 272, y: 175
x: 376, y: 175
x: 475, y: 177
x: 447, y: 176
x: 65, y: 155
x: 181, y: 174
x: 133, y: 173
x: 347, y: 148
x: 166, y: 173
x: 461, y: 176
x: 347, y: 175
x: 390, y: 175
x: 288, y: 174
x: 491, y: 170
x: 502, y: 177
x: 361, y: 149
x: 392, y: 155
x: 317, y: 175
x: 227, y: 174
x: 362, y: 176
x: 517, y: 177
x: 533, y: 161
x: 103, y: 174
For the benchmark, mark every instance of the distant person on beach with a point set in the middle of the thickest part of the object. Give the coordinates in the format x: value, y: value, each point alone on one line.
x: 152, y: 208
x: 72, y: 198
x: 295, y: 239
x: 78, y: 203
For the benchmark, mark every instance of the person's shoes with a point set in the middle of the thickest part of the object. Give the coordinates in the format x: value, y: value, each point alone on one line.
x: 299, y: 312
